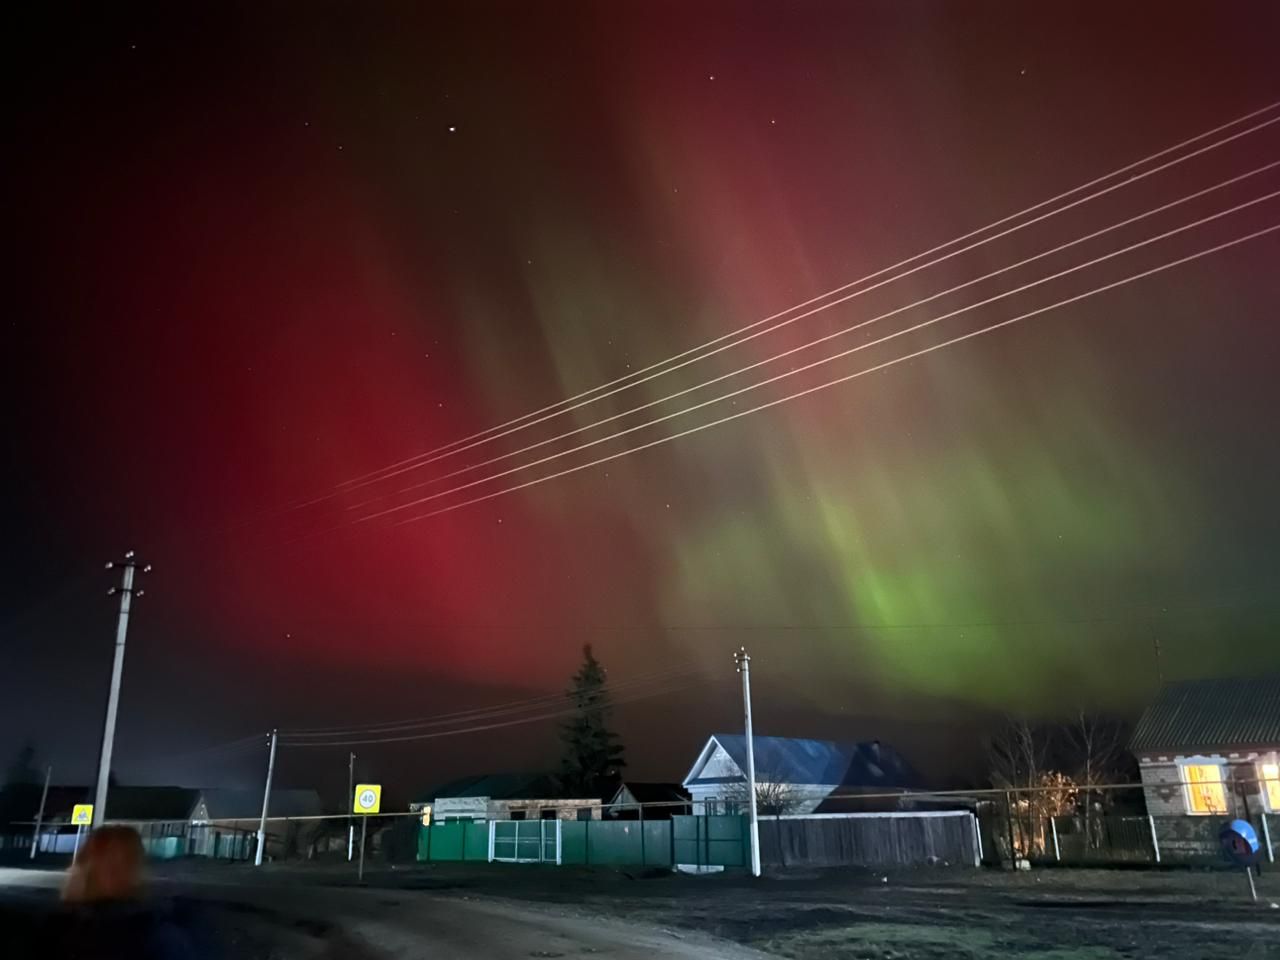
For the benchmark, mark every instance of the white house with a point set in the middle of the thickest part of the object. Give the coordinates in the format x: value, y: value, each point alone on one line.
x: 793, y: 776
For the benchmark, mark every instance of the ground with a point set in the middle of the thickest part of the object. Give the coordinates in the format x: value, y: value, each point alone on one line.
x: 283, y: 912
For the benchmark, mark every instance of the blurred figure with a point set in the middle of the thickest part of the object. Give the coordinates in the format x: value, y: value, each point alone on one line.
x: 111, y: 920
x: 109, y: 866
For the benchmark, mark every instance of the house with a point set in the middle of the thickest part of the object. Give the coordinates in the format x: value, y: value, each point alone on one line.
x: 177, y: 821
x: 507, y: 796
x: 794, y: 776
x: 224, y: 823
x: 1209, y: 749
x: 651, y: 801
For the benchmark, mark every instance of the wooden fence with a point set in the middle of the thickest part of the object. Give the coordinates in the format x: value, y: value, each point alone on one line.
x: 899, y: 839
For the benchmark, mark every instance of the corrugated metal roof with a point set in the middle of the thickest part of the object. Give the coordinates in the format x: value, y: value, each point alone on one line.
x: 800, y: 761
x: 1211, y: 714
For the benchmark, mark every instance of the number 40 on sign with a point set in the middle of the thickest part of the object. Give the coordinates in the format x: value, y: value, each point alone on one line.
x: 368, y: 798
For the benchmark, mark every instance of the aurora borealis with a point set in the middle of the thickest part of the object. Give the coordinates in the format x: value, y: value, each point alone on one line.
x: 266, y: 251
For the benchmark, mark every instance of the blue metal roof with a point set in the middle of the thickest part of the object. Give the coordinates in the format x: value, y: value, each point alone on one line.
x: 798, y: 761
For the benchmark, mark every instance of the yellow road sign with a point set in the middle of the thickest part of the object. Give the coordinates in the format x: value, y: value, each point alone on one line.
x: 82, y: 814
x: 368, y: 798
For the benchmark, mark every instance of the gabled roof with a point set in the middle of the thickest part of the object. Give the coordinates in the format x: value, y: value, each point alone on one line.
x: 123, y: 803
x: 151, y: 803
x: 799, y: 761
x: 643, y: 792
x: 1211, y: 714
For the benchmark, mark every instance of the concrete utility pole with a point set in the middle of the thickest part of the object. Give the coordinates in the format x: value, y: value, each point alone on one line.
x: 266, y: 802
x: 129, y: 566
x: 44, y: 795
x: 351, y: 795
x: 743, y: 659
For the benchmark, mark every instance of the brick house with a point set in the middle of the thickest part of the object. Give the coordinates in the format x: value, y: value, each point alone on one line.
x: 1209, y: 750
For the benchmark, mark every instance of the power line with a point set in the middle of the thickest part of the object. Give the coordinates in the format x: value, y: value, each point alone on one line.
x: 816, y: 363
x: 496, y: 725
x: 644, y: 374
x: 823, y: 339
x: 485, y: 713
x: 845, y: 379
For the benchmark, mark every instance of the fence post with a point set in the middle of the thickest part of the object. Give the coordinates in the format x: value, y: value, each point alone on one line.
x: 1155, y: 844
x: 1053, y: 828
x: 640, y: 821
x: 1008, y: 816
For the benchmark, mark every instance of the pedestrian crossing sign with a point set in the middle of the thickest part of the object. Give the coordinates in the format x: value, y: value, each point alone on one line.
x: 82, y: 814
x: 368, y: 798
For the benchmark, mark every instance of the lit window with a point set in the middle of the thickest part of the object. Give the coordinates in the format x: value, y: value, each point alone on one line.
x: 1205, y: 792
x: 1271, y: 785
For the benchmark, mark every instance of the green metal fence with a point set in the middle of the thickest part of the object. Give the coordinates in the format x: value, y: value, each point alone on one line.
x: 719, y: 841
x: 616, y: 842
x: 454, y: 840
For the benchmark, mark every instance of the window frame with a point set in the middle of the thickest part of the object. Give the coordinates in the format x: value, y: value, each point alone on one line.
x: 1264, y: 780
x: 1185, y: 780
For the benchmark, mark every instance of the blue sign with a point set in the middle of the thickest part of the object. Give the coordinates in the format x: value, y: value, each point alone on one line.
x: 1240, y: 843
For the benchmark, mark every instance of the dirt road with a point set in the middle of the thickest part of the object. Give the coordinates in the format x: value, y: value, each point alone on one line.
x: 284, y: 919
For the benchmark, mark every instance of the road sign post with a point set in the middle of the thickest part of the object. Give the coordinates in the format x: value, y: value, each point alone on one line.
x: 81, y: 816
x: 366, y: 802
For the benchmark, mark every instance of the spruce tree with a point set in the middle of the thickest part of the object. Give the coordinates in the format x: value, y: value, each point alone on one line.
x: 593, y: 755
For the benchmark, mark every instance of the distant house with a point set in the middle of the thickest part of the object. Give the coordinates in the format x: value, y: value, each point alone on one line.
x: 180, y: 821
x: 659, y: 801
x: 1211, y: 748
x: 507, y: 796
x: 794, y: 776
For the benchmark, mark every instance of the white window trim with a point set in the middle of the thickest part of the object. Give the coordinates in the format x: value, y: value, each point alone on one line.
x: 1262, y: 783
x: 1199, y: 761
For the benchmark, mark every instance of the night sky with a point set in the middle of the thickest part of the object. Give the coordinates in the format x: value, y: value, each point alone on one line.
x: 259, y: 251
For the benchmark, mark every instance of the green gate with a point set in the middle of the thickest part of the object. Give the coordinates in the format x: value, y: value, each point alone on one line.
x: 719, y: 841
x: 524, y: 841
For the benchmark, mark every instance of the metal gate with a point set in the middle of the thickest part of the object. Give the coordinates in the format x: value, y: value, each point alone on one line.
x: 524, y: 841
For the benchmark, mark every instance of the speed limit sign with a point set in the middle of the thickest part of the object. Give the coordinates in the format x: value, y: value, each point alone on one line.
x: 368, y: 798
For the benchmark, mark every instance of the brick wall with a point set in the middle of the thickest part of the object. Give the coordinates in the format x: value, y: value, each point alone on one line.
x: 1196, y: 835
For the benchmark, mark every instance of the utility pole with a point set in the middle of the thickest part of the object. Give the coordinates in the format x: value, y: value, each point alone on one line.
x: 266, y: 802
x: 743, y: 659
x: 128, y: 566
x: 351, y: 799
x: 44, y: 795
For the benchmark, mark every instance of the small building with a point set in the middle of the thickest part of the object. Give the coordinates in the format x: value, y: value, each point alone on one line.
x: 637, y: 800
x: 507, y: 796
x: 182, y: 821
x: 796, y: 776
x: 1206, y: 750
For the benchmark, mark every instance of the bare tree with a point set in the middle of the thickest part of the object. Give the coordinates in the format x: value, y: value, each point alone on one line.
x: 772, y: 799
x: 1099, y: 747
x: 1017, y: 753
x: 1099, y: 754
